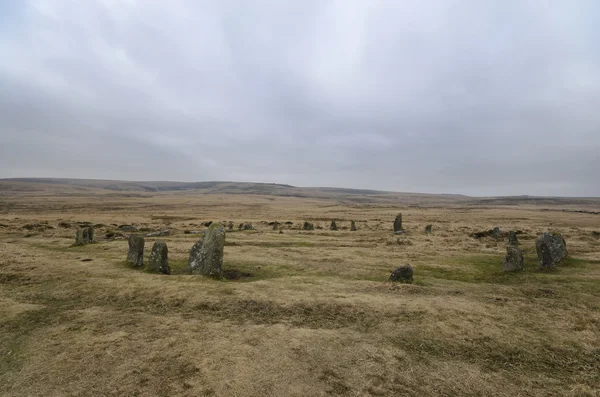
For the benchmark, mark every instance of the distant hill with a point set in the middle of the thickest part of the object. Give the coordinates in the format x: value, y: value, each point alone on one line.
x: 65, y: 186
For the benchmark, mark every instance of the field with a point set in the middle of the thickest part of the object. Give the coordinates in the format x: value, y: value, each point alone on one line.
x: 315, y: 315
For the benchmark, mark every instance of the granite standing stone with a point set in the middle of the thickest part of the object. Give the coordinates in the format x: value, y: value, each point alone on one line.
x: 551, y: 249
x: 135, y: 256
x: 206, y: 256
x: 513, y: 261
x: 159, y: 258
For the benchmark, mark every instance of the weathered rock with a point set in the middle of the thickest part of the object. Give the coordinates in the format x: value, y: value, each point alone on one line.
x: 158, y: 262
x: 207, y: 224
x: 513, y: 261
x: 275, y: 225
x: 428, y: 229
x: 135, y: 256
x: 241, y: 226
x: 512, y: 238
x: 248, y: 226
x: 333, y: 226
x: 496, y: 233
x: 90, y: 234
x: 308, y: 226
x: 127, y: 228
x: 551, y: 249
x: 84, y: 236
x: 206, y: 256
x: 353, y: 226
x: 398, y: 223
x: 596, y: 234
x: 230, y: 226
x: 79, y: 237
x: 64, y: 225
x: 402, y: 274
x: 159, y: 233
x: 281, y: 232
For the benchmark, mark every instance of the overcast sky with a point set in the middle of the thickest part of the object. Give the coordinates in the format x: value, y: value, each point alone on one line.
x: 474, y: 97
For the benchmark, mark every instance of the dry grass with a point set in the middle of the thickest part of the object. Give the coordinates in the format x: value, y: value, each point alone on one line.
x: 316, y: 318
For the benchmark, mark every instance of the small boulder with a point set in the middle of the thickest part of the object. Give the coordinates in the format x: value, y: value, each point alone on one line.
x: 159, y: 258
x: 402, y: 274
x: 206, y: 256
x: 127, y: 228
x: 248, y: 226
x: 428, y: 229
x: 308, y: 226
x: 333, y: 226
x: 275, y: 225
x: 353, y: 226
x: 551, y: 249
x: 135, y: 255
x: 513, y: 261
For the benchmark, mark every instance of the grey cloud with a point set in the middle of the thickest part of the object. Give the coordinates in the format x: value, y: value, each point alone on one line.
x: 475, y: 97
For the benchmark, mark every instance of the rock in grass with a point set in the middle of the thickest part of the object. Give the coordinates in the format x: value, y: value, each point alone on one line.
x: 84, y: 236
x: 308, y: 226
x: 206, y: 256
x: 135, y: 256
x: 551, y: 249
x: 79, y: 237
x: 428, y: 229
x: 353, y: 226
x: 512, y: 238
x: 513, y: 261
x: 398, y: 224
x: 402, y: 274
x: 496, y: 233
x: 275, y: 225
x: 159, y: 258
x: 333, y: 226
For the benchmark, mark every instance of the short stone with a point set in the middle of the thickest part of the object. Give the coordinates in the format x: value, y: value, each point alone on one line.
x: 333, y: 226
x: 158, y: 262
x: 402, y: 274
x: 308, y: 226
x: 353, y: 226
x: 513, y: 261
x: 428, y: 229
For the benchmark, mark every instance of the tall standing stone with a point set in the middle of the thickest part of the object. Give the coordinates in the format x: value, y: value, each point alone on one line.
x: 90, y: 234
x: 551, y: 249
x: 353, y: 226
x: 513, y: 261
x: 159, y: 258
x: 135, y: 256
x: 398, y: 224
x: 333, y: 226
x: 512, y: 238
x: 206, y: 256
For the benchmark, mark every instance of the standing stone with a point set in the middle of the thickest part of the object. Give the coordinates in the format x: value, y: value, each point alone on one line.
x: 159, y: 258
x: 333, y: 226
x: 428, y: 229
x: 206, y: 256
x: 513, y: 261
x: 90, y: 233
x: 241, y: 226
x: 353, y: 226
x: 230, y: 226
x: 398, y: 224
x: 551, y: 249
x: 248, y: 226
x: 308, y: 226
x: 276, y: 226
x: 512, y: 238
x: 79, y: 237
x: 402, y: 274
x: 135, y: 256
x: 496, y: 233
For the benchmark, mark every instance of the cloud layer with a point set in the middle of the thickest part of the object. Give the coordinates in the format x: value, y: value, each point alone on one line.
x: 475, y: 97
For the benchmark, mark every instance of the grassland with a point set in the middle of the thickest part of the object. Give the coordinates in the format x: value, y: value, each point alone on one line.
x: 317, y: 316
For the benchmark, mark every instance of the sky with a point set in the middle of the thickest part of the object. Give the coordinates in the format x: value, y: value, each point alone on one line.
x: 477, y: 97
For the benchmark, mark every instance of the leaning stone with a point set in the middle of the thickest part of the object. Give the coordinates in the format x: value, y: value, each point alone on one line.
x: 135, y: 256
x: 513, y: 261
x: 333, y: 226
x: 512, y: 238
x: 551, y: 249
x: 308, y: 226
x: 402, y: 274
x: 159, y: 258
x: 428, y: 229
x: 353, y: 226
x: 206, y: 256
x: 160, y: 233
x: 398, y: 223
